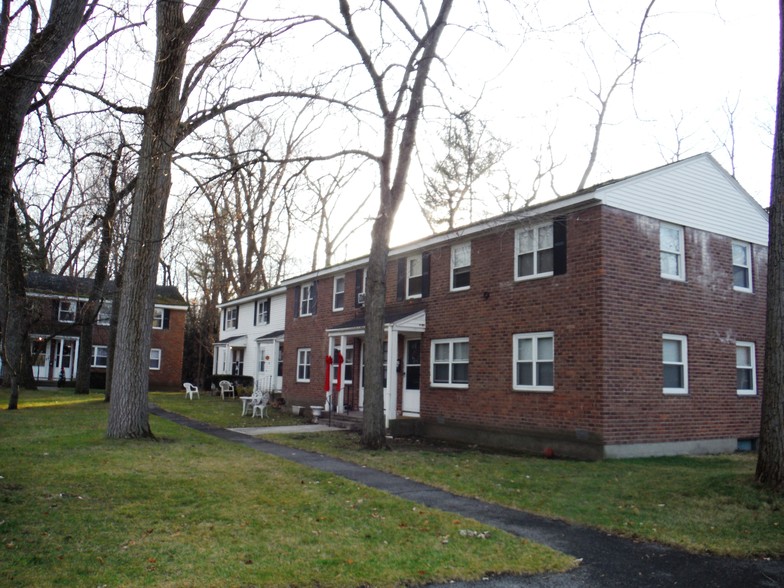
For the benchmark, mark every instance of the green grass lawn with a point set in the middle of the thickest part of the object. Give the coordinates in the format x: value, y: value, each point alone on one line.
x: 77, y: 509
x: 703, y: 504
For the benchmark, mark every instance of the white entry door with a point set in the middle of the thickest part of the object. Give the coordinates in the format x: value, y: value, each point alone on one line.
x: 65, y: 359
x: 40, y: 354
x: 411, y: 380
x: 265, y: 376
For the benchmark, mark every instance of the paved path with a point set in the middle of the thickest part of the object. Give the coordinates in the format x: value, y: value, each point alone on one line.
x: 607, y: 561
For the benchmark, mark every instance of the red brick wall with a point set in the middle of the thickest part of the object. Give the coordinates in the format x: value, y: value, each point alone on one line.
x: 607, y: 312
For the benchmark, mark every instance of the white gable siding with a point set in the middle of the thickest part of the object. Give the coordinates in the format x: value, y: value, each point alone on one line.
x: 696, y: 193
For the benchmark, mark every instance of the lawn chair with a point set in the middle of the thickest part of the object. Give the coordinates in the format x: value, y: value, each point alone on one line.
x: 226, y: 387
x: 261, y: 404
x: 191, y: 390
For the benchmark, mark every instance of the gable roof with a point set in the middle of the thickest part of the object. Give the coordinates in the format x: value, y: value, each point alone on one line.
x: 45, y: 284
x: 694, y: 192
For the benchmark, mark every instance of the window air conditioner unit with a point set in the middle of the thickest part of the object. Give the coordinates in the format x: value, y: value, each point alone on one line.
x: 361, y: 298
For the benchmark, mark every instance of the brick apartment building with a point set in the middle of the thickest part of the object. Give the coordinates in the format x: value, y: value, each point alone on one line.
x: 624, y: 320
x: 54, y: 334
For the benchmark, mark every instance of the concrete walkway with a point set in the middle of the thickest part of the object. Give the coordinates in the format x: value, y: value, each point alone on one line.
x: 606, y: 561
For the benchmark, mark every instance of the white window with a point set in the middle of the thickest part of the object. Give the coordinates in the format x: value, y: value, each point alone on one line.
x: 303, y: 365
x: 449, y: 363
x: 306, y: 300
x: 158, y: 318
x: 104, y: 317
x: 741, y: 266
x: 461, y: 267
x: 67, y: 311
x: 263, y: 312
x: 675, y: 364
x: 534, y: 362
x: 534, y: 252
x: 100, y: 356
x: 671, y: 252
x: 338, y: 292
x: 414, y: 277
x: 155, y: 359
x: 230, y: 317
x: 746, y: 367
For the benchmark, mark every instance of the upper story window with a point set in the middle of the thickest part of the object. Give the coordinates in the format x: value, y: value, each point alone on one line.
x: 360, y: 279
x: 338, y: 292
x: 160, y: 318
x: 414, y: 277
x: 746, y: 368
x: 307, y: 300
x: 67, y: 311
x: 534, y: 252
x: 675, y: 364
x: 741, y: 266
x: 230, y: 316
x: 534, y: 362
x: 263, y: 312
x: 104, y: 317
x: 671, y: 252
x: 461, y: 267
x: 449, y: 363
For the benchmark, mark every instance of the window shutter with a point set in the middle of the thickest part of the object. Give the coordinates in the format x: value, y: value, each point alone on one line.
x: 225, y: 313
x: 55, y: 310
x: 314, y: 291
x: 255, y: 312
x: 166, y: 318
x: 401, y: 278
x: 358, y: 280
x: 425, y: 274
x: 297, y: 290
x: 559, y: 246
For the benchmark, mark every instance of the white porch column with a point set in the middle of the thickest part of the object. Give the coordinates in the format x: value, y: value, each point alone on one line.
x: 75, y: 359
x: 390, y: 394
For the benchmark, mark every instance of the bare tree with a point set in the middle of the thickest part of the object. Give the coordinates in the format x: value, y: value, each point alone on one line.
x: 399, y: 104
x: 770, y: 460
x: 20, y: 80
x: 472, y: 154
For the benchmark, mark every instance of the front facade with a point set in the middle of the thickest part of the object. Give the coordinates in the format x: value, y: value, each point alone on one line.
x: 251, y: 338
x: 625, y: 320
x: 55, y: 349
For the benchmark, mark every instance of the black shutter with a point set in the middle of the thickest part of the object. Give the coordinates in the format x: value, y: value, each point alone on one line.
x: 255, y: 312
x: 296, y: 301
x: 559, y: 246
x: 314, y: 294
x: 225, y: 312
x: 55, y: 310
x: 401, y: 278
x: 165, y: 318
x: 425, y: 274
x: 359, y: 276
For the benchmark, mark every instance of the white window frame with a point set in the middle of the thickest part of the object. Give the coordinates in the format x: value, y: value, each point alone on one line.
x: 752, y: 352
x: 411, y: 266
x: 232, y: 317
x: 66, y: 311
x: 536, y: 249
x: 458, y: 251
x: 263, y: 309
x: 306, y: 300
x: 105, y: 355
x: 451, y: 362
x: 335, y: 281
x: 535, y: 361
x: 303, y: 364
x: 746, y: 267
x: 157, y: 317
x: 156, y: 355
x: 678, y: 253
x: 104, y: 317
x: 682, y: 340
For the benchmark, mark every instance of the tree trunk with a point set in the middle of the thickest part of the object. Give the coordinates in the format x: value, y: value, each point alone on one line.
x: 770, y: 461
x: 15, y: 342
x: 128, y: 410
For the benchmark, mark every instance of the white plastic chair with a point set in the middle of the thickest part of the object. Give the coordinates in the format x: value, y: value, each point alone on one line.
x: 226, y: 388
x: 191, y: 390
x: 261, y: 405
